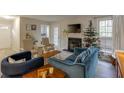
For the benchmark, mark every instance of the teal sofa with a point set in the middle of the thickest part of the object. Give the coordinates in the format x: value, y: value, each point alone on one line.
x: 81, y: 64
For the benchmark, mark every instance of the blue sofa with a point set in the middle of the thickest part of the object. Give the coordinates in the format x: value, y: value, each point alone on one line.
x: 18, y: 69
x: 84, y: 68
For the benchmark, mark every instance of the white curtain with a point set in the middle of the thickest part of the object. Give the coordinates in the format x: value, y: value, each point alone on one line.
x: 118, y: 32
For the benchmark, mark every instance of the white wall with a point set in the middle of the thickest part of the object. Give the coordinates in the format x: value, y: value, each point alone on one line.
x: 35, y: 34
x: 16, y: 34
x: 83, y: 20
x: 6, y: 35
x: 5, y: 38
x: 7, y: 22
x: 14, y: 38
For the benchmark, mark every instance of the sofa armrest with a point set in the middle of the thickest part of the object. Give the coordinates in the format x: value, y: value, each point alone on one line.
x: 72, y: 70
x: 77, y: 51
x: 12, y: 69
x: 21, y: 55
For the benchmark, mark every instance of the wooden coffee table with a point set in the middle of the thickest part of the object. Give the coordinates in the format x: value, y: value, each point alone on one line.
x: 49, y: 54
x: 57, y: 73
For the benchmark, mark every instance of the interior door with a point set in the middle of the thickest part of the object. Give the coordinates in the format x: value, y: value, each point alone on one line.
x: 5, y: 36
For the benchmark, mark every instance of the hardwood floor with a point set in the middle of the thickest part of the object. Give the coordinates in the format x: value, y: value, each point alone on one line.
x: 105, y: 70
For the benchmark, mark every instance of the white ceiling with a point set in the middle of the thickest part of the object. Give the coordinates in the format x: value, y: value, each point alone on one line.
x: 50, y: 18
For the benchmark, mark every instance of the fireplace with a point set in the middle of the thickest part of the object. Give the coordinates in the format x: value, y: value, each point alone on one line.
x: 74, y: 42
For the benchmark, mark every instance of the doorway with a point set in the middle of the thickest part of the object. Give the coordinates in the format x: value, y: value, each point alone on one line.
x: 5, y: 36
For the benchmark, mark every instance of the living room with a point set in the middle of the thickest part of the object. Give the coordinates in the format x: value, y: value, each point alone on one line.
x: 26, y: 33
x: 66, y: 46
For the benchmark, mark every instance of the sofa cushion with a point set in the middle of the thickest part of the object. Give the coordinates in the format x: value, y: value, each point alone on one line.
x: 77, y: 51
x: 20, y: 61
x: 87, y: 53
x: 78, y: 59
x: 71, y: 58
x: 90, y: 49
x: 11, y: 60
x: 81, y: 58
x: 69, y: 62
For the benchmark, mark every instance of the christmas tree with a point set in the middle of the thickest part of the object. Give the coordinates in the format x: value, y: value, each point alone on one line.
x: 91, y: 36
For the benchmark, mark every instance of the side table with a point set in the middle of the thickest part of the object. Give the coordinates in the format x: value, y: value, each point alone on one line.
x: 113, y: 59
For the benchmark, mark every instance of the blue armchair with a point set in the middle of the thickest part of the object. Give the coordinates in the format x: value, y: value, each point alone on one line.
x: 84, y: 69
x: 18, y: 69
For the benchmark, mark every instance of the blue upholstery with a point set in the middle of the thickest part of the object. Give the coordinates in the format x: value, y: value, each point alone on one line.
x: 77, y: 51
x: 71, y: 57
x: 84, y: 69
x: 18, y: 69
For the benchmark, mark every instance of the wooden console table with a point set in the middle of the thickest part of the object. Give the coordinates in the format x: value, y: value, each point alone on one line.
x: 120, y: 63
x: 49, y: 54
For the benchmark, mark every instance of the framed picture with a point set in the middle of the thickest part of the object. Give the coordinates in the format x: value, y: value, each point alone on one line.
x: 33, y: 27
x: 28, y: 27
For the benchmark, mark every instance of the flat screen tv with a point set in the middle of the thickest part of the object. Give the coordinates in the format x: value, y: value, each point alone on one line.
x: 74, y: 28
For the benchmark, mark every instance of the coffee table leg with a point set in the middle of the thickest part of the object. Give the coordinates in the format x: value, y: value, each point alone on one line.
x: 45, y: 61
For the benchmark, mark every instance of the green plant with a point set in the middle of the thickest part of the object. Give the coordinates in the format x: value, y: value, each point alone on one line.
x: 91, y: 36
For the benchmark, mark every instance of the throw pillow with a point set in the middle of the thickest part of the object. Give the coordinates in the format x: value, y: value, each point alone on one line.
x: 80, y: 58
x: 86, y: 54
x: 20, y: 61
x: 10, y: 60
x: 90, y: 49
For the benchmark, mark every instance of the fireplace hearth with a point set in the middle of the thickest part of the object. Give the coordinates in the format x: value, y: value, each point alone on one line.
x: 73, y: 43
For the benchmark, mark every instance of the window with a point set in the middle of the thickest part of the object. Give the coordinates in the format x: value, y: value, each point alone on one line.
x: 56, y: 36
x: 45, y: 30
x: 105, y: 33
x: 105, y: 28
